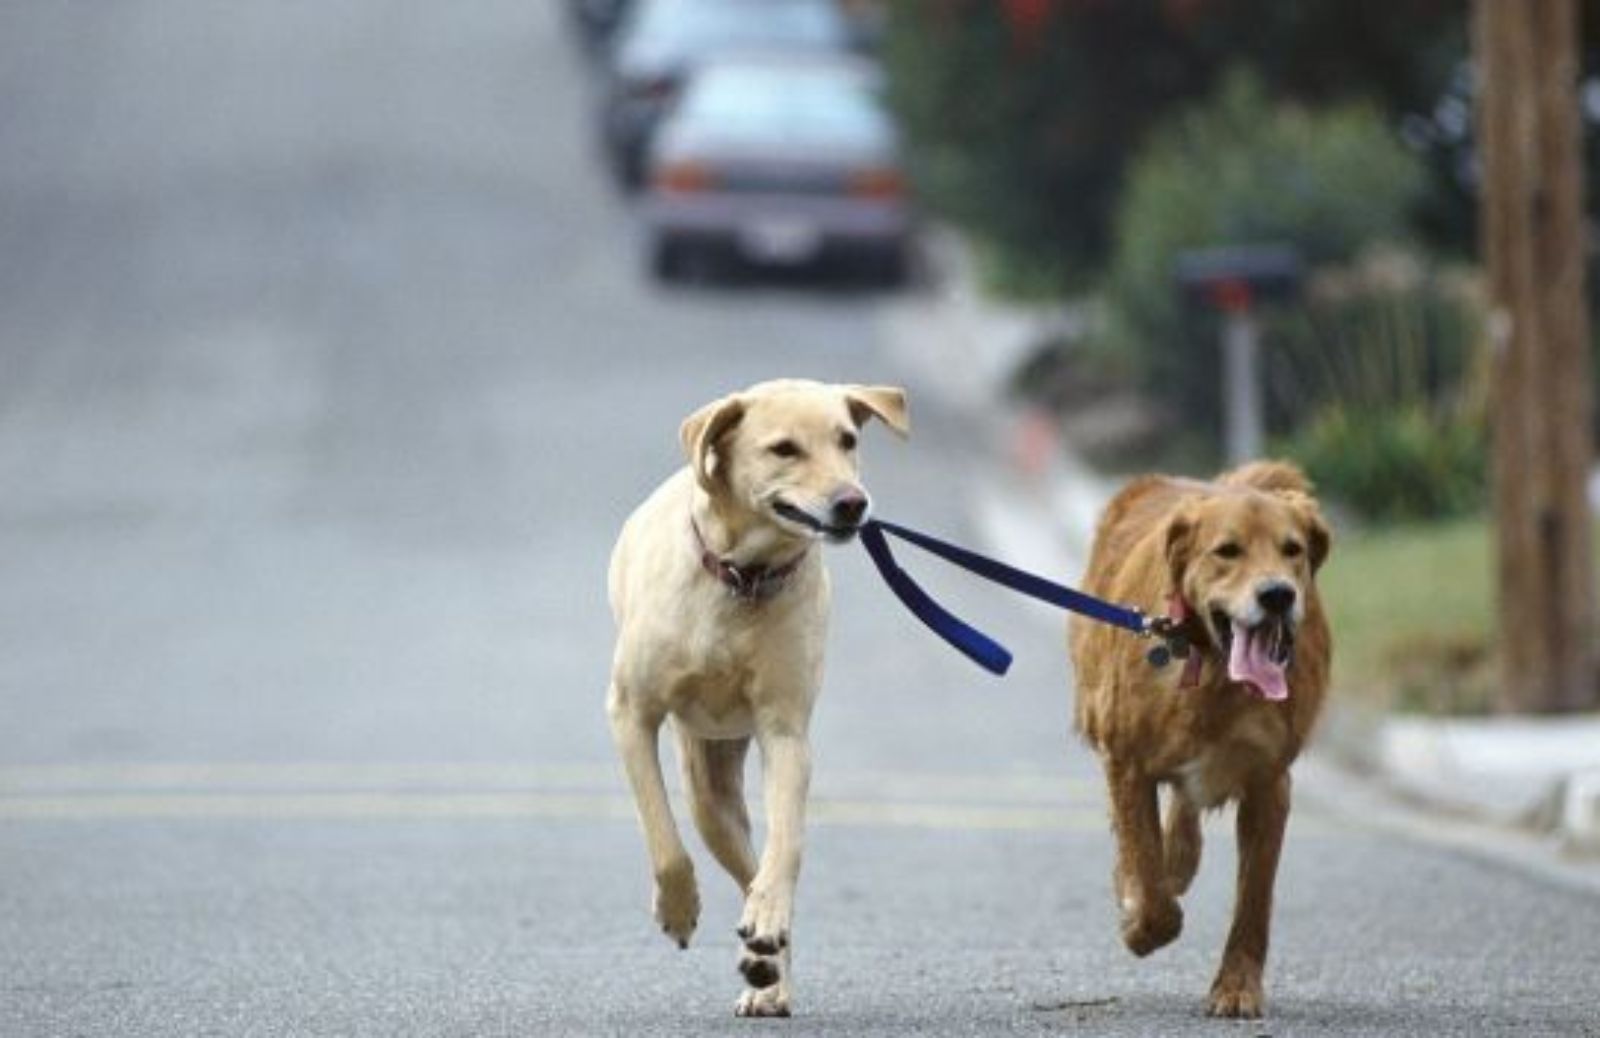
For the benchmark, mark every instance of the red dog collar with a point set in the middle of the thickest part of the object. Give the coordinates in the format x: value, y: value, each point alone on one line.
x: 1179, y: 613
x: 750, y: 583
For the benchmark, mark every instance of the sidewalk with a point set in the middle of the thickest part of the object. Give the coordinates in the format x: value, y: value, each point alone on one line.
x: 1531, y: 784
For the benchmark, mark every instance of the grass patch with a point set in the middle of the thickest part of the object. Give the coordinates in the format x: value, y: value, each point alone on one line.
x: 1412, y: 608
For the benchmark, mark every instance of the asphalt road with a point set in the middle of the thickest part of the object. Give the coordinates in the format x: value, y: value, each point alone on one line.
x: 327, y: 372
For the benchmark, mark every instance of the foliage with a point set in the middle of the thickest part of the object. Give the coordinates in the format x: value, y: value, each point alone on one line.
x: 1238, y: 169
x: 1407, y: 463
x: 1031, y: 278
x: 1381, y: 381
x: 1017, y: 142
x: 1022, y: 115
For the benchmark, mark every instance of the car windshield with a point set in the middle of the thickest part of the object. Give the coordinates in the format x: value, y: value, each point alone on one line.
x: 786, y: 104
x: 689, y: 26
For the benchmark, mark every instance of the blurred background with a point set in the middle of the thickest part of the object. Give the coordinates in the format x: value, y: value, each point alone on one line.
x: 337, y: 340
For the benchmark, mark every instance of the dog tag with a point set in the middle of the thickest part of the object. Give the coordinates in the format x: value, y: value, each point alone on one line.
x: 1159, y: 656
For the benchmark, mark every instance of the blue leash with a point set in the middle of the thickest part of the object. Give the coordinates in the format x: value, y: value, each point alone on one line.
x: 977, y: 646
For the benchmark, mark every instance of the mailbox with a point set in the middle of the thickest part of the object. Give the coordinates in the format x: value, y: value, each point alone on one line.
x: 1237, y: 277
x: 1232, y: 281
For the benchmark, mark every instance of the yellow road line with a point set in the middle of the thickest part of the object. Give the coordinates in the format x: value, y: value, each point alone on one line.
x: 517, y: 805
x: 1031, y: 800
x: 310, y: 805
x: 1017, y: 801
x: 295, y: 775
x: 1035, y: 787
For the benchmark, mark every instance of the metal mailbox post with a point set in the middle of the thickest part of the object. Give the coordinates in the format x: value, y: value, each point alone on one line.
x: 1232, y: 281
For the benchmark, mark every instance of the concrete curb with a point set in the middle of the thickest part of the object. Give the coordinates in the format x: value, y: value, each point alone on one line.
x: 1369, y: 801
x: 1037, y: 507
x: 1539, y: 773
x: 1577, y: 803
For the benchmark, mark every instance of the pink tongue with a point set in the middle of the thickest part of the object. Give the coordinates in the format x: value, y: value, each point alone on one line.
x: 1249, y: 662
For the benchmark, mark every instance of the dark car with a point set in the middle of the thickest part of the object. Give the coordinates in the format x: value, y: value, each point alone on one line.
x: 662, y: 41
x: 597, y: 20
x: 778, y: 159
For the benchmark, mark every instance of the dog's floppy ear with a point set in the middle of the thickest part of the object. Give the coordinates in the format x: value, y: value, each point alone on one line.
x: 1318, y: 537
x: 1177, y: 544
x: 700, y: 433
x: 886, y: 403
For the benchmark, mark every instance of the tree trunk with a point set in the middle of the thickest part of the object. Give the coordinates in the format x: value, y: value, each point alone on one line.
x: 1533, y: 238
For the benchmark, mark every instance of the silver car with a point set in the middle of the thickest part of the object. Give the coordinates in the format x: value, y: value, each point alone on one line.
x: 778, y: 159
x: 663, y: 42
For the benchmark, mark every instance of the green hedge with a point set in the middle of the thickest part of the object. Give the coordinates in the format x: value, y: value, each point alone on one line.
x: 1239, y: 169
x: 1380, y: 379
x: 1413, y: 462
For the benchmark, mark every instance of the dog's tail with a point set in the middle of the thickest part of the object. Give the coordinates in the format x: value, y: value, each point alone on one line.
x: 1271, y: 476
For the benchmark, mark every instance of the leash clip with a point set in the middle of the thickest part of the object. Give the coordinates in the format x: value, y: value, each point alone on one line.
x: 1173, y: 643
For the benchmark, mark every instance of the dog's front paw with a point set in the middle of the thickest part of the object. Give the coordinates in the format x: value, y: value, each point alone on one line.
x: 677, y: 901
x: 764, y: 927
x: 772, y: 1001
x: 1149, y: 925
x: 1236, y: 994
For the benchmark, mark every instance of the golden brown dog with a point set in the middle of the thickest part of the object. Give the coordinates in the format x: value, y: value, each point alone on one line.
x: 1235, y: 560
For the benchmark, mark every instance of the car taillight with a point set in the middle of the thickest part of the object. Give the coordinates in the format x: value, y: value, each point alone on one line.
x: 684, y: 178
x: 877, y: 183
x: 657, y: 88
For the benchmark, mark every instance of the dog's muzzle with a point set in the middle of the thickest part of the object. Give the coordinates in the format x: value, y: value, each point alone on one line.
x: 846, y: 514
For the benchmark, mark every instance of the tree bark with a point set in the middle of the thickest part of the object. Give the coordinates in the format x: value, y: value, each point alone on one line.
x: 1533, y: 235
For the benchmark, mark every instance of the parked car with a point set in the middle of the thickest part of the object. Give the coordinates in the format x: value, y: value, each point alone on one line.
x: 778, y: 159
x: 662, y: 41
x: 597, y: 20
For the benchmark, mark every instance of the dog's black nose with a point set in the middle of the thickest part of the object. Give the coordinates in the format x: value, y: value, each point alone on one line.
x: 849, y: 509
x: 1276, y: 599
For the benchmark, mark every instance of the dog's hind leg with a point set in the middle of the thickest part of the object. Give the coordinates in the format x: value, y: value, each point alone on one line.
x: 1263, y: 815
x: 1180, y: 843
x: 713, y: 774
x: 677, y: 898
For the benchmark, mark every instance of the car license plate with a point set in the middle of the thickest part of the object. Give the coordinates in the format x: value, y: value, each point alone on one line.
x: 780, y: 241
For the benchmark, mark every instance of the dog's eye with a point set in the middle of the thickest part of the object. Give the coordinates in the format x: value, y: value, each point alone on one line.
x: 785, y: 449
x: 1227, y: 550
x: 847, y: 441
x: 1292, y: 549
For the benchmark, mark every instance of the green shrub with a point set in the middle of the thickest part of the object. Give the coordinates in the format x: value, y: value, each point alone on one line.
x: 1239, y: 169
x: 1384, y: 331
x: 1395, y: 464
x: 1379, y: 378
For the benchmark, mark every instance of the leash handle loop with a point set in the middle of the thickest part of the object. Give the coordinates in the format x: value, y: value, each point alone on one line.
x: 971, y: 642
